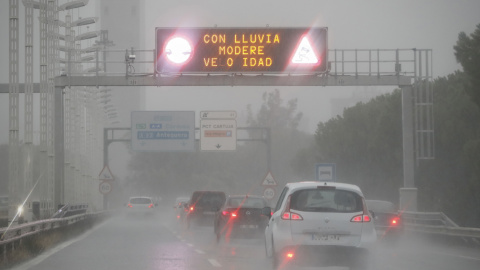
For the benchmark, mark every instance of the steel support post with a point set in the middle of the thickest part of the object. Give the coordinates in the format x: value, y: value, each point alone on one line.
x: 408, y: 194
x: 59, y: 147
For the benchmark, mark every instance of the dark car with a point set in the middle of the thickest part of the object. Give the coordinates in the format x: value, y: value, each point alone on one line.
x: 388, y: 221
x: 241, y: 215
x: 202, y: 207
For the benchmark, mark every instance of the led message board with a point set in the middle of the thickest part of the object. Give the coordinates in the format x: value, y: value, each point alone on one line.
x: 249, y: 50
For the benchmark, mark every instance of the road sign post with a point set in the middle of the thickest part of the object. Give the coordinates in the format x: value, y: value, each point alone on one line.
x: 168, y: 131
x: 106, y: 174
x: 260, y: 50
x: 325, y: 172
x: 105, y: 187
x: 218, y: 131
x: 269, y: 193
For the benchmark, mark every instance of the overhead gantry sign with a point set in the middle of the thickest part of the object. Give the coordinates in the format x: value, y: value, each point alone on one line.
x: 241, y: 50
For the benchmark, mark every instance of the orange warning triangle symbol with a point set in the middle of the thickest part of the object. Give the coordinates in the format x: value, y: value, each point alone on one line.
x: 304, y: 54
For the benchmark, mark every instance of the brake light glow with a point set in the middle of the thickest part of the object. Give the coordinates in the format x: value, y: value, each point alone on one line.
x: 395, y: 221
x: 129, y: 205
x: 234, y: 215
x: 151, y: 205
x: 192, y: 208
x: 290, y: 255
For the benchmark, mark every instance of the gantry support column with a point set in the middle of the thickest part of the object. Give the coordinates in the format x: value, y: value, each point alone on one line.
x: 408, y: 194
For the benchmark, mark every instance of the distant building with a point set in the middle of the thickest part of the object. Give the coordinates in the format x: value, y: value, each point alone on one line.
x: 124, y: 20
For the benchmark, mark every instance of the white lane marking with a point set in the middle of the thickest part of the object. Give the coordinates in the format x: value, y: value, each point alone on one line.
x: 214, y: 263
x: 199, y: 251
x: 190, y: 245
x: 54, y: 250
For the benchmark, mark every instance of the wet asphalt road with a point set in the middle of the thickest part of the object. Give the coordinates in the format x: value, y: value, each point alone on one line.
x: 160, y: 242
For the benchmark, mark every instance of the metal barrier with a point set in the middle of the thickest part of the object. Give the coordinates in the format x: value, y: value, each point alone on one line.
x: 12, y: 237
x: 437, y: 223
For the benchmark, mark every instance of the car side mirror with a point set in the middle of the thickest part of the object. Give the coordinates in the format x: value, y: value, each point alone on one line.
x: 267, y: 211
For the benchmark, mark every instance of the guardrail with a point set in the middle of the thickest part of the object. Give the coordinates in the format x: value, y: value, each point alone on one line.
x: 12, y: 238
x: 437, y: 223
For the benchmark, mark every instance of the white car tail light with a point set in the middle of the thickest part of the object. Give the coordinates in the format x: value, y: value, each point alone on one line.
x: 361, y: 218
x: 287, y: 215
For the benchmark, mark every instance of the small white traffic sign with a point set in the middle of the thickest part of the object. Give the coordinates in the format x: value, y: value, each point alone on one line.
x: 325, y: 172
x: 218, y: 135
x: 218, y: 114
x: 269, y: 180
x: 105, y: 174
x: 105, y: 187
x: 269, y: 193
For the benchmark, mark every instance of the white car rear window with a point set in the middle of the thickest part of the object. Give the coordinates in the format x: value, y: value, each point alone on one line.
x: 326, y: 200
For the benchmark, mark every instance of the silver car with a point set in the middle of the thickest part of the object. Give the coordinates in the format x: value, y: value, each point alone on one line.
x: 320, y: 223
x: 140, y: 206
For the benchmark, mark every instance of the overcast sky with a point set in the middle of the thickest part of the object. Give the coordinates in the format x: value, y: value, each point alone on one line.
x: 352, y: 24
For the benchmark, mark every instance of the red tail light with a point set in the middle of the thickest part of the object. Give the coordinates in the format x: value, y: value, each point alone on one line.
x: 151, y: 205
x: 291, y: 216
x: 361, y: 218
x: 395, y: 221
x: 287, y: 215
x: 192, y: 208
x: 228, y: 213
x: 290, y: 255
x: 129, y: 205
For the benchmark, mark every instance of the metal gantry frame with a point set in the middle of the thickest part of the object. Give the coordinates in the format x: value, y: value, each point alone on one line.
x: 424, y: 120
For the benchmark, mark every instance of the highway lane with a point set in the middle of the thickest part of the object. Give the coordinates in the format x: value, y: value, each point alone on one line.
x: 159, y: 242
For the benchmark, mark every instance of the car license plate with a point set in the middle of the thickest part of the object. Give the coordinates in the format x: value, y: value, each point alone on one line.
x: 326, y: 237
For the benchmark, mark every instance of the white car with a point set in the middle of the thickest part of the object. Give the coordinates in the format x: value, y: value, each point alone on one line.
x: 140, y: 206
x: 320, y: 223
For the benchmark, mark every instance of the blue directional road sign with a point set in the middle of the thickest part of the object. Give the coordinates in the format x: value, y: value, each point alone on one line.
x: 163, y: 131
